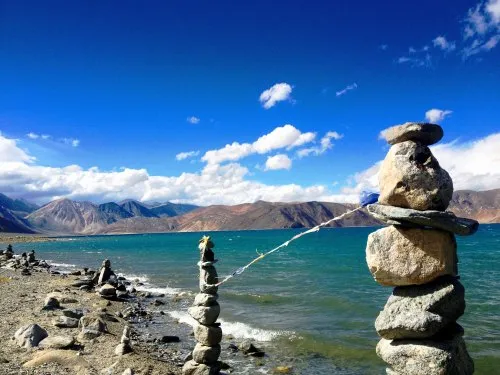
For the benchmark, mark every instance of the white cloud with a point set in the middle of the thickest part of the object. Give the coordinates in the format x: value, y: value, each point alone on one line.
x: 45, y: 136
x: 11, y: 152
x: 416, y: 61
x: 482, y: 28
x: 444, y: 44
x: 346, y: 89
x: 280, y: 161
x: 325, y: 144
x: 32, y: 135
x: 286, y: 136
x: 186, y: 155
x: 437, y: 115
x: 277, y: 93
x: 193, y: 120
x: 383, y: 47
x: 472, y: 165
x: 412, y: 50
x: 71, y: 142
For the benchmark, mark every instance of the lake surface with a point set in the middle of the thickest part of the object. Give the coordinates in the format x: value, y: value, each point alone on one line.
x: 312, y: 304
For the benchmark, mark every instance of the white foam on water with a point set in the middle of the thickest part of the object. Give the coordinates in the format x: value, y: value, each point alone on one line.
x: 235, y: 329
x: 132, y: 277
x: 62, y: 265
x: 154, y: 289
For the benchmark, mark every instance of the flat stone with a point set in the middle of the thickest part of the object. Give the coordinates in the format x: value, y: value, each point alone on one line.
x: 208, y: 335
x: 193, y: 368
x: 434, y: 219
x: 65, y: 322
x: 415, y: 312
x: 429, y: 357
x: 30, y: 335
x: 206, y: 354
x: 204, y: 299
x: 57, y: 342
x: 61, y: 297
x: 206, y: 315
x: 426, y: 134
x: 107, y: 290
x: 409, y: 256
x: 411, y: 177
x: 73, y: 313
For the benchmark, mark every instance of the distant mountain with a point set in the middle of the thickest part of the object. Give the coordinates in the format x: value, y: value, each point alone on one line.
x: 172, y: 209
x: 259, y: 215
x: 65, y: 216
x: 9, y: 222
x: 19, y: 207
x: 136, y: 208
x: 483, y: 206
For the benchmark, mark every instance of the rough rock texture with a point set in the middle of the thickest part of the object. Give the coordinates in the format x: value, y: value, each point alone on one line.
x: 414, y: 218
x: 421, y: 311
x: 208, y: 335
x: 418, y: 357
x: 411, y: 177
x: 30, y: 335
x: 206, y: 354
x: 410, y: 256
x: 204, y: 299
x: 65, y: 322
x: 57, y: 342
x: 205, y: 314
x: 193, y: 368
x: 426, y: 134
x: 92, y: 323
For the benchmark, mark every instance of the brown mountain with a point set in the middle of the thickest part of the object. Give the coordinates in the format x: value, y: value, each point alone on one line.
x: 483, y: 206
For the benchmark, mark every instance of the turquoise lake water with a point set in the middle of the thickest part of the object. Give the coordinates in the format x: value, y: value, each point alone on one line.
x: 313, y: 304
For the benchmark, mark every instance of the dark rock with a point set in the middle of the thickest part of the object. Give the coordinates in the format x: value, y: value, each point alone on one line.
x: 65, y: 322
x: 51, y: 303
x: 248, y: 348
x: 73, y: 313
x: 435, y: 219
x: 30, y: 335
x: 169, y: 339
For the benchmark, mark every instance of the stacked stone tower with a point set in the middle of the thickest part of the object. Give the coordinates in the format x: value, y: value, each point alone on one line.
x: 206, y: 310
x: 417, y: 254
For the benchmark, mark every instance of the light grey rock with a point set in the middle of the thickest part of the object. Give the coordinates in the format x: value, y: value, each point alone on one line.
x: 426, y: 134
x: 65, y: 322
x: 204, y: 299
x: 399, y: 256
x: 418, y: 357
x: 421, y: 311
x: 128, y: 371
x: 92, y: 322
x: 88, y: 334
x: 435, y: 219
x: 193, y: 368
x: 107, y: 290
x: 57, y: 342
x: 30, y: 335
x: 208, y: 276
x: 205, y: 314
x: 206, y: 354
x: 411, y: 177
x: 122, y: 349
x: 208, y: 335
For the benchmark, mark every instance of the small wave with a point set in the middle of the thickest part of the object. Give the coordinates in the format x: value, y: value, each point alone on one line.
x: 158, y: 290
x: 235, y: 329
x: 61, y: 265
x: 133, y: 277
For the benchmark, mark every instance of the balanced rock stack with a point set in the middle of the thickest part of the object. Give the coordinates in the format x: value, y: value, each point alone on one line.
x: 417, y: 254
x: 206, y: 310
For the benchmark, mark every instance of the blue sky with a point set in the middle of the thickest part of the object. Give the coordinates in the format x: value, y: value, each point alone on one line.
x: 115, y: 84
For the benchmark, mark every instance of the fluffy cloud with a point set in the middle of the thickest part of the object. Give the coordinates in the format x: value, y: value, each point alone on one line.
x: 442, y: 43
x: 472, y: 165
x: 186, y: 155
x: 437, y: 115
x: 286, y: 136
x: 280, y: 161
x: 482, y: 28
x: 325, y: 145
x: 193, y: 120
x: 11, y: 152
x: 32, y: 135
x: 346, y: 89
x: 277, y: 93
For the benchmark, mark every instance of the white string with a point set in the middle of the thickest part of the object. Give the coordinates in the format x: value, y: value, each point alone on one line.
x: 240, y: 270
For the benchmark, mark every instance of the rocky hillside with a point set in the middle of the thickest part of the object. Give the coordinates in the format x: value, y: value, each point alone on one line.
x: 12, y: 213
x: 483, y: 206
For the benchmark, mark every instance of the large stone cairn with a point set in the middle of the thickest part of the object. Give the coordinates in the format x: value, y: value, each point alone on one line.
x: 206, y: 310
x: 417, y: 254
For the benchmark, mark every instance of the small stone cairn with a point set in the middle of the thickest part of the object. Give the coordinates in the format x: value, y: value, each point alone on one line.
x: 417, y: 254
x: 206, y: 310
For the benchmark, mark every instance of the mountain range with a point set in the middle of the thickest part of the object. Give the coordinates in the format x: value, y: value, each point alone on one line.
x: 68, y: 217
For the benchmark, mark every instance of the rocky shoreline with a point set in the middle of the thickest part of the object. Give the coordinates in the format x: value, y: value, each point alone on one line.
x: 52, y: 322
